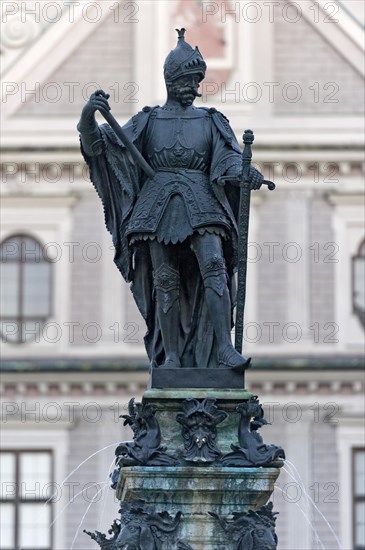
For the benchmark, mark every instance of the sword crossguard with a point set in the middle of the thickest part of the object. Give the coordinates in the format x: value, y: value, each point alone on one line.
x: 248, y: 139
x: 270, y: 184
x: 222, y: 180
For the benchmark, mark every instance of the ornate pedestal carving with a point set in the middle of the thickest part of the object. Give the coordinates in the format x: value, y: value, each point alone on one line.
x: 196, y: 475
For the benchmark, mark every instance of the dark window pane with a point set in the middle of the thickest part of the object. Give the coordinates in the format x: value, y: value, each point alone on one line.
x: 9, y: 290
x: 358, y: 278
x: 31, y: 331
x: 8, y: 486
x: 25, y: 289
x: 360, y: 524
x: 7, y: 526
x: 21, y: 519
x: 360, y: 473
x: 35, y: 475
x: 10, y: 250
x: 34, y: 526
x: 36, y: 289
x: 31, y: 250
x: 10, y: 331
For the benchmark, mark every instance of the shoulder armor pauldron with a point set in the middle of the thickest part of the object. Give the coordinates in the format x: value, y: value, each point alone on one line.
x: 140, y: 120
x: 222, y: 124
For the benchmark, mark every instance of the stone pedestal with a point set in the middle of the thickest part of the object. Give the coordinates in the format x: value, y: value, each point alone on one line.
x: 199, y: 486
x: 197, y: 475
x: 196, y: 491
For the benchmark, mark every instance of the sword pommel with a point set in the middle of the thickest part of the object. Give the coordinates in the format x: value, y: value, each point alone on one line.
x: 248, y: 137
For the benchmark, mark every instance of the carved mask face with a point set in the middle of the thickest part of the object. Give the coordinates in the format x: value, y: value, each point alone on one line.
x: 185, y: 89
x: 200, y: 438
x: 265, y: 538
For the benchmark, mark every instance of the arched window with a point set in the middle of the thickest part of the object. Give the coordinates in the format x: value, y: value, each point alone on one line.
x: 26, y: 282
x: 358, y: 277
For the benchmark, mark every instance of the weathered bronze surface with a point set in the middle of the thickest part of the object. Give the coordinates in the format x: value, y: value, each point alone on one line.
x: 170, y: 184
x: 252, y: 451
x: 199, y: 420
x: 145, y: 449
x: 176, y: 194
x: 139, y: 528
x: 252, y: 530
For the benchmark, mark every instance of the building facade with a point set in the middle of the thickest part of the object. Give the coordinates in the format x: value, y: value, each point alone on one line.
x: 72, y: 338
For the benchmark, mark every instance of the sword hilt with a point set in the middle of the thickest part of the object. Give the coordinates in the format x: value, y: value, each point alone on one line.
x: 270, y: 184
x: 223, y: 179
x: 248, y: 139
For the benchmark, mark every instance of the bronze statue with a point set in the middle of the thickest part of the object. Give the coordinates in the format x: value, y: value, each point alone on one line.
x: 173, y: 215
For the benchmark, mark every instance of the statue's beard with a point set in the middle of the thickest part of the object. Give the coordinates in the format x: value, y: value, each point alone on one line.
x: 185, y: 96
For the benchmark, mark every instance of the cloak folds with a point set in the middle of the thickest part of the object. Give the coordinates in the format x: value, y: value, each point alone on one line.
x: 118, y: 181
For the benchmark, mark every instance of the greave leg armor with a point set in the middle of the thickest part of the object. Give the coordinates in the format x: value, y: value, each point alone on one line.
x: 209, y: 253
x: 166, y: 284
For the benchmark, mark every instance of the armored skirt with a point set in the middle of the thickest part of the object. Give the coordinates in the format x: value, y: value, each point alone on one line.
x: 174, y: 205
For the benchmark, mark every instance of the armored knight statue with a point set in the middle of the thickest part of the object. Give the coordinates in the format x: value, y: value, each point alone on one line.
x: 175, y: 234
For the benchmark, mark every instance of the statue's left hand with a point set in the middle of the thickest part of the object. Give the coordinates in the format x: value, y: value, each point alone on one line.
x: 255, y: 178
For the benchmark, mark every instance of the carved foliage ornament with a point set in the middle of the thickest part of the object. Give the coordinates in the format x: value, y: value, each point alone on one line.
x: 252, y: 451
x: 145, y: 449
x: 140, y: 527
x: 252, y: 530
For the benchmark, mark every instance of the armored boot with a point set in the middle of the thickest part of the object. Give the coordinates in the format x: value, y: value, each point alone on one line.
x: 219, y: 306
x: 220, y: 313
x: 166, y: 283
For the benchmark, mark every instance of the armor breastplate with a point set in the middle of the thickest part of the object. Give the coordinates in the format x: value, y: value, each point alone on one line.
x: 178, y: 146
x: 179, y: 141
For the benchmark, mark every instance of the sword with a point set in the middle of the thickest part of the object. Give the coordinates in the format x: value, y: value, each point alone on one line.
x: 243, y: 226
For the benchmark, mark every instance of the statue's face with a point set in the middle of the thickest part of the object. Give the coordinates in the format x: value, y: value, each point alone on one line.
x: 185, y: 89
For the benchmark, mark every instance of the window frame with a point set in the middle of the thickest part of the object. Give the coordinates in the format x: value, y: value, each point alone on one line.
x: 355, y: 498
x: 353, y: 291
x: 18, y: 500
x: 20, y: 319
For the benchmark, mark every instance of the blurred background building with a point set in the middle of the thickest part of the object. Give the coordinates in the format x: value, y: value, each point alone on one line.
x: 72, y: 350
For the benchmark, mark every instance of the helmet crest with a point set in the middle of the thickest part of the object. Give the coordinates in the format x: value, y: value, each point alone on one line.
x: 183, y: 60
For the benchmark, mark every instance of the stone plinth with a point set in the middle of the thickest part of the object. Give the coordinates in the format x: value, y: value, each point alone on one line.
x: 196, y: 428
x: 198, y: 378
x: 169, y: 404
x: 197, y: 490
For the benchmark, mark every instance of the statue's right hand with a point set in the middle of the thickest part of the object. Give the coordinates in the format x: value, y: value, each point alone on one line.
x: 98, y: 102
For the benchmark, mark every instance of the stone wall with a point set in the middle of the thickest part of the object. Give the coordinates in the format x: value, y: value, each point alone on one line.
x: 303, y: 56
x: 86, y: 276
x: 104, y: 58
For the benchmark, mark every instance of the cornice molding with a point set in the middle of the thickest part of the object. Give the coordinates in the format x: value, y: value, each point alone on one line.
x: 87, y: 385
x: 101, y: 390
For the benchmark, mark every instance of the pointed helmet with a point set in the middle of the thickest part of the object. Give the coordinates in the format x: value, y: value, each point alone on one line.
x: 183, y: 60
